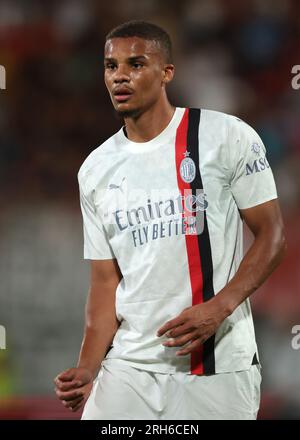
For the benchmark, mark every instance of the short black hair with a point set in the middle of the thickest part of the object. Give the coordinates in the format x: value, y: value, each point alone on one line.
x: 145, y: 30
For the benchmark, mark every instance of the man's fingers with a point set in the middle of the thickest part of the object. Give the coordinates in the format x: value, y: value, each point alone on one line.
x: 179, y: 341
x: 68, y: 386
x: 78, y: 406
x: 170, y: 324
x: 190, y: 347
x: 69, y: 395
x: 180, y: 330
x: 73, y: 386
x: 73, y: 403
x: 65, y: 376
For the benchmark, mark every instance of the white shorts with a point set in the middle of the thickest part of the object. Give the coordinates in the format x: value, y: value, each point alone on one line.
x: 122, y: 392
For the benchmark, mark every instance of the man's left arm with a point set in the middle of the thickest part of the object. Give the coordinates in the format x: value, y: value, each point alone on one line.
x: 196, y: 324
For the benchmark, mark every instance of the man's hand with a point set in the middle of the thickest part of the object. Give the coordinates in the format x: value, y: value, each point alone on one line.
x: 193, y: 326
x: 196, y: 324
x: 73, y: 387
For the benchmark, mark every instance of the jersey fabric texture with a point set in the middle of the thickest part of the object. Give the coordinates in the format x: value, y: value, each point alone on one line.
x: 142, y: 203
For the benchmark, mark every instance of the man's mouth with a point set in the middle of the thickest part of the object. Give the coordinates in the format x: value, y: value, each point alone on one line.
x: 122, y: 94
x: 123, y: 97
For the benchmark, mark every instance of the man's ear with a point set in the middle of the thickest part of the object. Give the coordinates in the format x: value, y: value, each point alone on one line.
x: 168, y: 73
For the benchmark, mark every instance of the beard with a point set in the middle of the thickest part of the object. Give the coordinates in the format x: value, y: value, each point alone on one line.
x: 133, y: 113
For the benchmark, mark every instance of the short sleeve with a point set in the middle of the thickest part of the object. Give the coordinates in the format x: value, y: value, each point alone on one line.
x: 96, y: 244
x: 252, y: 181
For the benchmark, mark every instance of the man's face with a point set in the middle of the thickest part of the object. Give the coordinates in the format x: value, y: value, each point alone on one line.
x: 135, y: 73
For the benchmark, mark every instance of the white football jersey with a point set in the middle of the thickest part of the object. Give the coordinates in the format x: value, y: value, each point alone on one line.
x: 168, y: 211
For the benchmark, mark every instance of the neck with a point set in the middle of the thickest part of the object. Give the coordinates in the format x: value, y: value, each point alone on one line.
x: 150, y: 123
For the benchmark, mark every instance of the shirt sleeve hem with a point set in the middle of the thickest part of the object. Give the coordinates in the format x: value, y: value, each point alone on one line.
x: 90, y: 257
x: 259, y: 201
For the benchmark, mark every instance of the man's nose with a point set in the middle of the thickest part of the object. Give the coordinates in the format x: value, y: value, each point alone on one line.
x: 121, y: 74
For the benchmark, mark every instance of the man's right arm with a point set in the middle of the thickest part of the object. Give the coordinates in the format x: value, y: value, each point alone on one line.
x: 101, y: 322
x: 73, y: 386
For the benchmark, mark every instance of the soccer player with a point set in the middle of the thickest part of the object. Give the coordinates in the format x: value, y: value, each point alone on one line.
x: 169, y: 331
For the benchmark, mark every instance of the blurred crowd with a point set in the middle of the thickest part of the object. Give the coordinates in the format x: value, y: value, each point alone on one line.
x: 230, y: 55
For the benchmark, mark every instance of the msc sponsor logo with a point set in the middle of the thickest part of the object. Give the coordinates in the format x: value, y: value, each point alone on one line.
x: 257, y: 166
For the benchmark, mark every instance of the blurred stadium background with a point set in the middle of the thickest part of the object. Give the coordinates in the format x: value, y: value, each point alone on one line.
x: 231, y: 55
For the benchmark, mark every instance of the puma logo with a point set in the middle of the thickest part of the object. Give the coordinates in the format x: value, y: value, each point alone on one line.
x: 114, y: 186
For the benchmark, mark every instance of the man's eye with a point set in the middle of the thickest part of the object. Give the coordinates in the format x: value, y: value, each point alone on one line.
x: 137, y: 65
x: 110, y: 66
